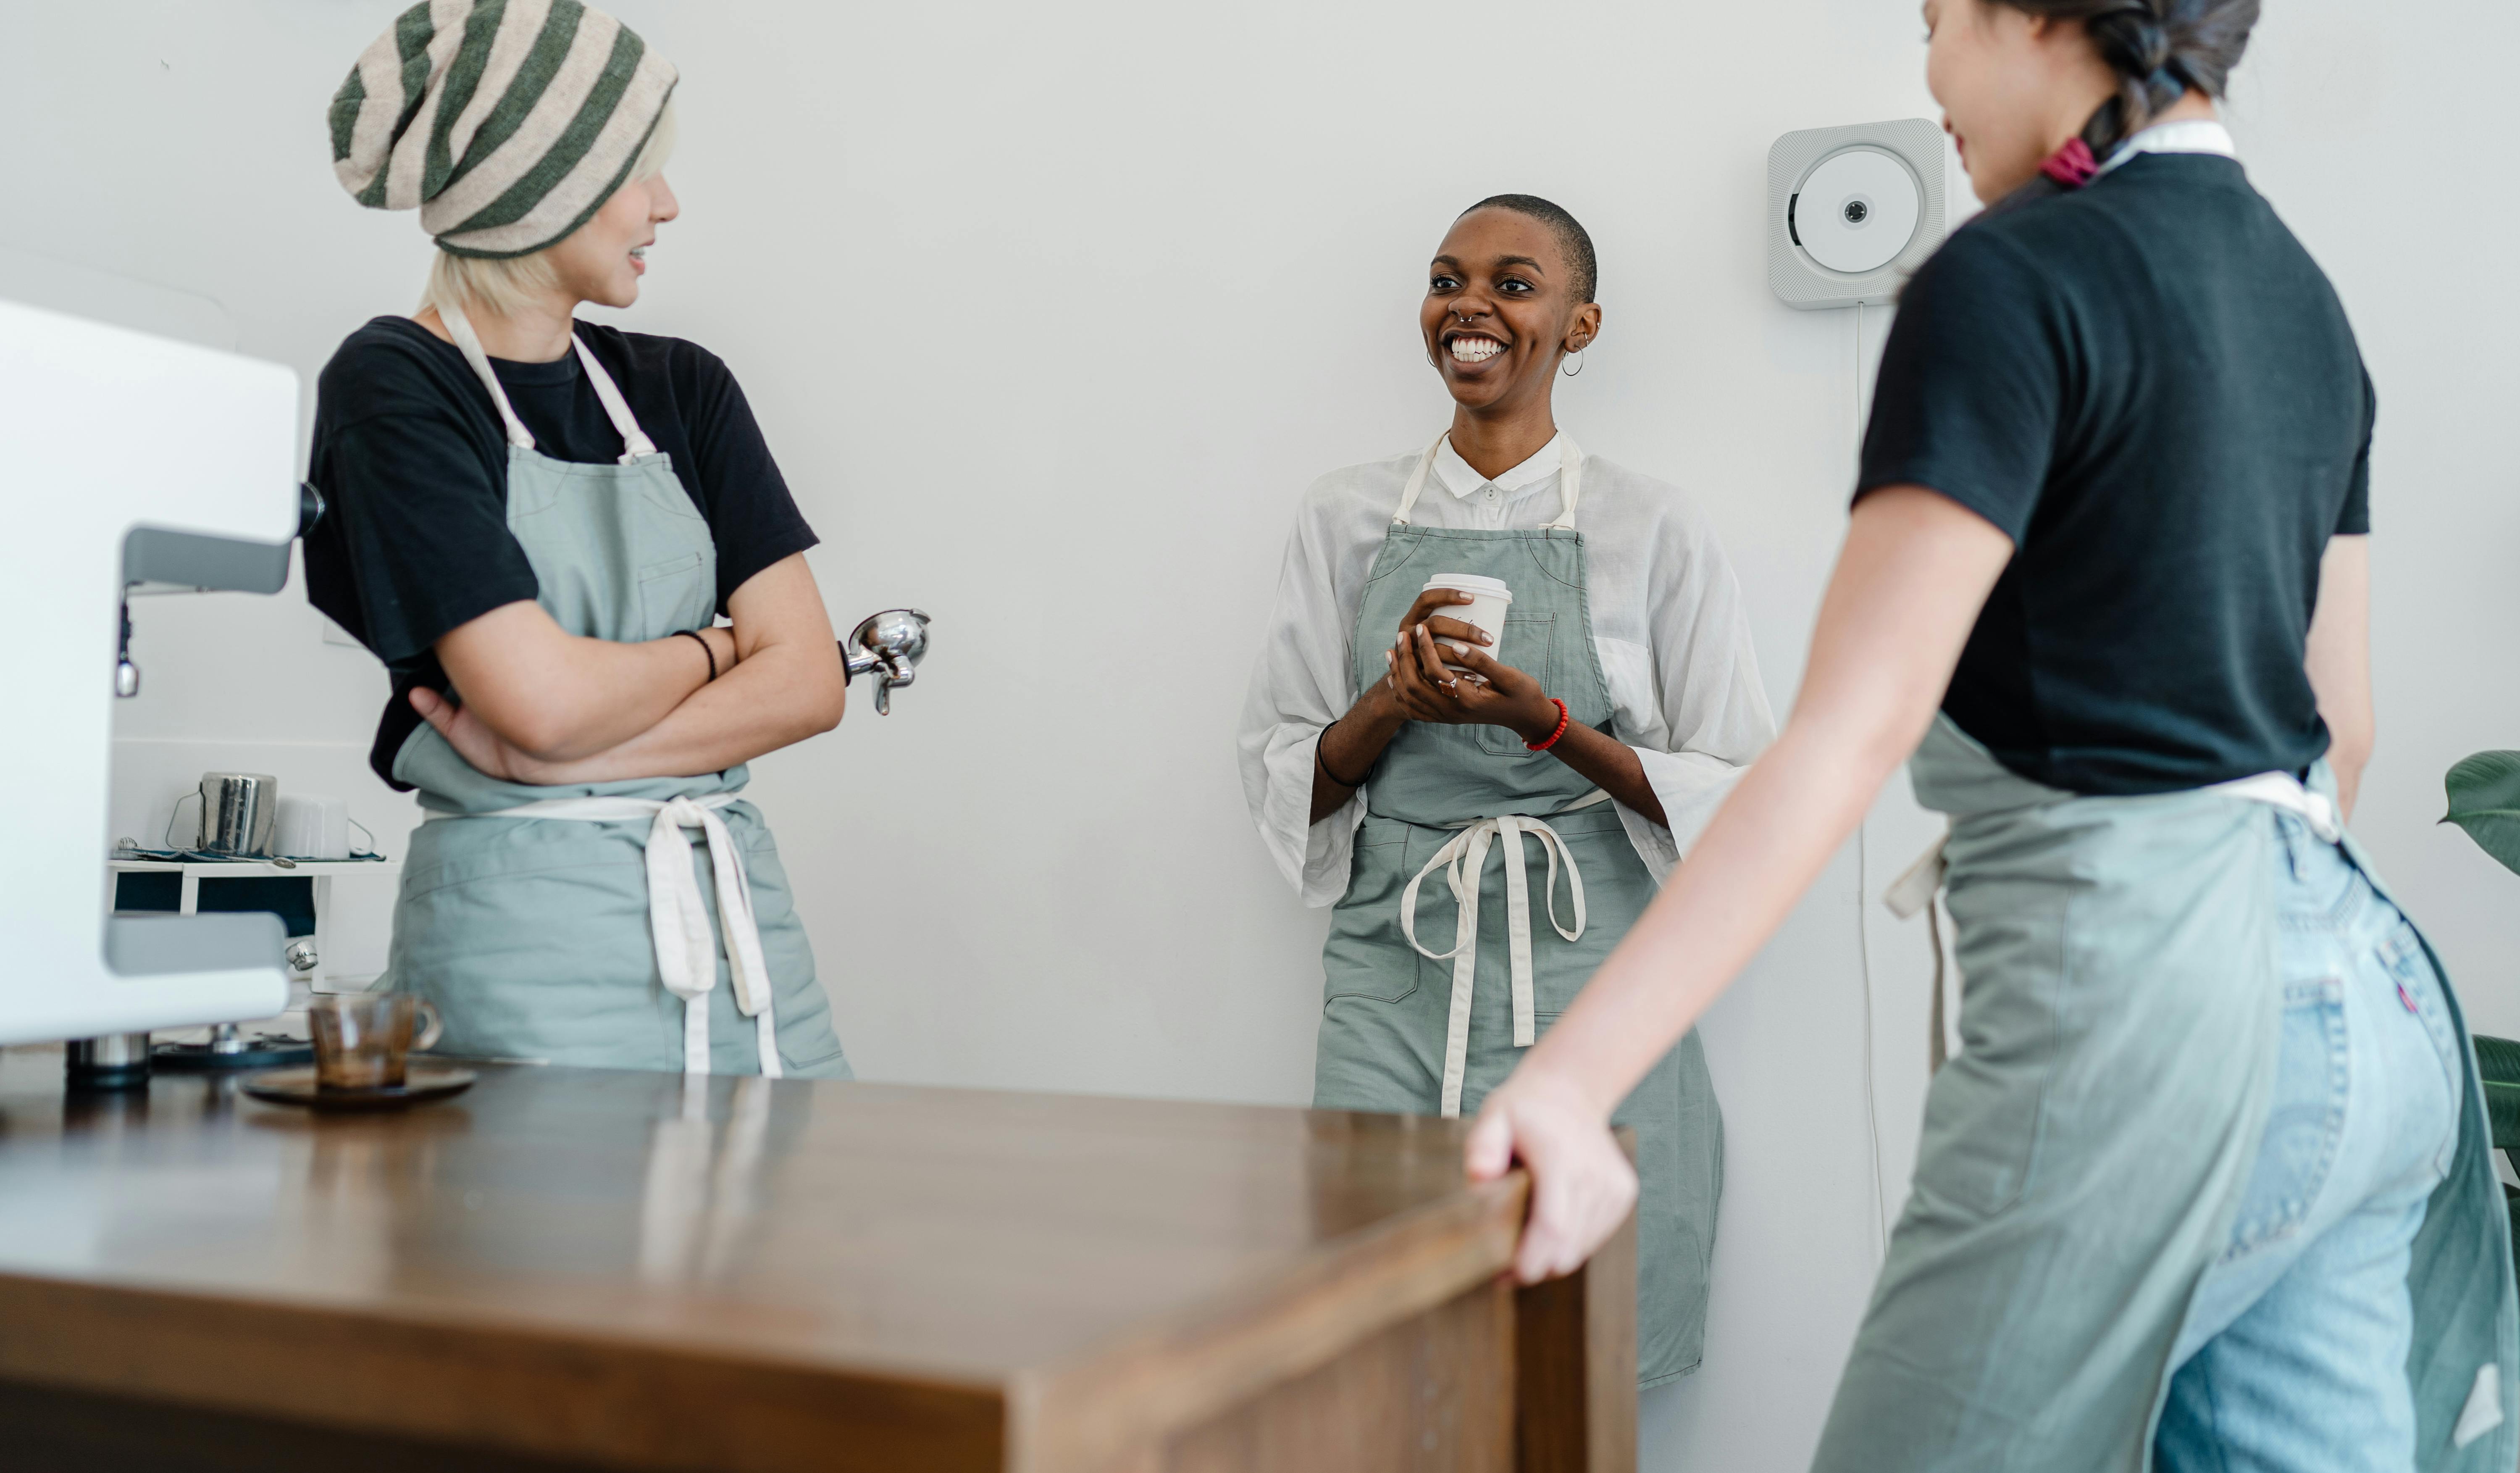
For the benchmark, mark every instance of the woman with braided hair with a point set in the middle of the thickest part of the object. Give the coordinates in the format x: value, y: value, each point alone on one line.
x: 2207, y: 1184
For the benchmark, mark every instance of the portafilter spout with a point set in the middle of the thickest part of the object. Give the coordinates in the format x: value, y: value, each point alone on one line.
x: 891, y: 644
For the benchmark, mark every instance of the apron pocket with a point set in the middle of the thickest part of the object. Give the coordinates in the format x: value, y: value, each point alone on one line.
x: 1530, y: 645
x: 1985, y: 1110
x: 539, y: 956
x: 1617, y: 889
x: 675, y: 593
x: 1366, y: 955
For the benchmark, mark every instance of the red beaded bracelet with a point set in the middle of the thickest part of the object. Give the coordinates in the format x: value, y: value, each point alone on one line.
x: 1563, y: 720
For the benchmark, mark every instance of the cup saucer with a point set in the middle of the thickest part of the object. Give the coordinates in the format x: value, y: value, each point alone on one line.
x: 421, y: 1083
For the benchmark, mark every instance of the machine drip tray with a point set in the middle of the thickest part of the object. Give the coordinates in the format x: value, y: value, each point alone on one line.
x: 260, y: 1051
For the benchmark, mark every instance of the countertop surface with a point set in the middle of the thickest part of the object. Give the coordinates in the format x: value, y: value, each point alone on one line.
x: 956, y: 1236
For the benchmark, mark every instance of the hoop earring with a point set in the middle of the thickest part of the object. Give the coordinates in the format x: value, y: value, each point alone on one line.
x: 1576, y: 372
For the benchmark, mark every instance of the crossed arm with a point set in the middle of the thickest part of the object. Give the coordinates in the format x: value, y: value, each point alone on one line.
x: 542, y: 705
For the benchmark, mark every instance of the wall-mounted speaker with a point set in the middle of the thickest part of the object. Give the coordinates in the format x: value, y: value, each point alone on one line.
x: 1853, y: 212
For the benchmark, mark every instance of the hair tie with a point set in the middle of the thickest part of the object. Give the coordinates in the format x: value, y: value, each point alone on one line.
x: 2072, y: 167
x: 2153, y: 48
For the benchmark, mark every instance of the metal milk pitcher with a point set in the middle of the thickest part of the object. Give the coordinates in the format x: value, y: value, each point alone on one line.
x: 238, y: 812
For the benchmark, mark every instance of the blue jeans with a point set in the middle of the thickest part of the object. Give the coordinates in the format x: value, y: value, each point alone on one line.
x: 2293, y: 1356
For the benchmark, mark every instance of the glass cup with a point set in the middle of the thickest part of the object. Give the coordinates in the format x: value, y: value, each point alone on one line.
x: 363, y: 1041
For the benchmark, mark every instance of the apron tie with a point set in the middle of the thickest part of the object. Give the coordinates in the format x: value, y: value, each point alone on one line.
x: 2283, y: 790
x: 678, y: 915
x: 1921, y: 888
x: 1463, y: 860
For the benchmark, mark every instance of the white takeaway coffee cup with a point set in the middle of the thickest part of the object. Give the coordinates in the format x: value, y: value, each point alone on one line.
x: 1490, y: 600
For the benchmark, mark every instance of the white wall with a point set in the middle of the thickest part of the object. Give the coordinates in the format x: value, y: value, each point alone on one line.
x: 1051, y: 314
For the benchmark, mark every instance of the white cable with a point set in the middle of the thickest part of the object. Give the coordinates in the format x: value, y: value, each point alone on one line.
x: 1863, y: 892
x: 1871, y: 1109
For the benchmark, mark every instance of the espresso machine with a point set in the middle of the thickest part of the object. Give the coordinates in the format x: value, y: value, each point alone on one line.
x: 134, y: 461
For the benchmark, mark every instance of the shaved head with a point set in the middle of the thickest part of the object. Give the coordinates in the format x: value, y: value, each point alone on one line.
x: 1572, y: 241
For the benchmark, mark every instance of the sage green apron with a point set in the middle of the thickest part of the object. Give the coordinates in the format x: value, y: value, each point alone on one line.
x: 1407, y: 1029
x: 576, y: 925
x: 2084, y: 1156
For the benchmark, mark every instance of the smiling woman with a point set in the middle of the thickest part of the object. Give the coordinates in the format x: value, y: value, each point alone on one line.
x: 1492, y: 643
x: 538, y: 524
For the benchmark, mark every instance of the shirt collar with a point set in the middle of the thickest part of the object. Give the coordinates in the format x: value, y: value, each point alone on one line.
x: 2202, y: 135
x: 1460, y: 479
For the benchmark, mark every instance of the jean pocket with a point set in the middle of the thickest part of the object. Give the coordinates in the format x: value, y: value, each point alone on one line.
x: 2420, y: 991
x: 2305, y: 1118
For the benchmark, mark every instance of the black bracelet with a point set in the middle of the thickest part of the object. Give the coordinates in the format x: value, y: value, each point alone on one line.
x: 694, y: 635
x: 1324, y: 762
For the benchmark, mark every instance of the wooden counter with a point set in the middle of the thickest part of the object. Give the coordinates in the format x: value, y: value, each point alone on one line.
x: 588, y: 1268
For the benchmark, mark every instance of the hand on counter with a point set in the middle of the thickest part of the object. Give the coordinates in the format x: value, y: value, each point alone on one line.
x: 1582, y: 1184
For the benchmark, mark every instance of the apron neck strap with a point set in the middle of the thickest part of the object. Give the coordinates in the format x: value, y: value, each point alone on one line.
x: 1418, y: 482
x: 634, y: 440
x: 1570, y: 482
x: 460, y: 328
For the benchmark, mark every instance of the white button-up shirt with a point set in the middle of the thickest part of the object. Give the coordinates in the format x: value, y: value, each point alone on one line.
x: 1667, y: 621
x: 1486, y: 504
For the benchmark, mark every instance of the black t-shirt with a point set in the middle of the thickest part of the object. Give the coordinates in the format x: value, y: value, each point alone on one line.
x: 411, y: 454
x: 2152, y: 390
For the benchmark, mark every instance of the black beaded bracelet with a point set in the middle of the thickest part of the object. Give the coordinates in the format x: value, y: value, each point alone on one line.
x: 694, y: 635
x: 1325, y: 764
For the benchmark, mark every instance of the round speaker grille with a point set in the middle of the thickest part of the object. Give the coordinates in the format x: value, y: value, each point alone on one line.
x: 1857, y: 210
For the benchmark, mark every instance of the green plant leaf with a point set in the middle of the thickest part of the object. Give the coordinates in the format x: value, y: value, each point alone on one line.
x: 2484, y: 800
x: 2497, y: 1066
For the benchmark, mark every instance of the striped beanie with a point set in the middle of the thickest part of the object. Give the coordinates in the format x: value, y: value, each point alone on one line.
x: 507, y: 123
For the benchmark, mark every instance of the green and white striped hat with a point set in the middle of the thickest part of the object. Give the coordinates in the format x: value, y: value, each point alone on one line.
x: 507, y: 124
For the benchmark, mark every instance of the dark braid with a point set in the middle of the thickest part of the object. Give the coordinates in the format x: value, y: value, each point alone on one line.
x: 2159, y: 49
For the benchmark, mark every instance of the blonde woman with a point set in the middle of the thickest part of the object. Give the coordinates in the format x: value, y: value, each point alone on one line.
x: 537, y: 525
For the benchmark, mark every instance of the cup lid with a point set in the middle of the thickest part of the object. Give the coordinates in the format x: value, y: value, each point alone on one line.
x: 1471, y: 582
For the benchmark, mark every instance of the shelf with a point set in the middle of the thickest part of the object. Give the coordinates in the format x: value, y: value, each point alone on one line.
x: 322, y: 872
x: 249, y: 869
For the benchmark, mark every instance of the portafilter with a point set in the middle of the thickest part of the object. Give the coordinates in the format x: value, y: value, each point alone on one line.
x: 891, y: 644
